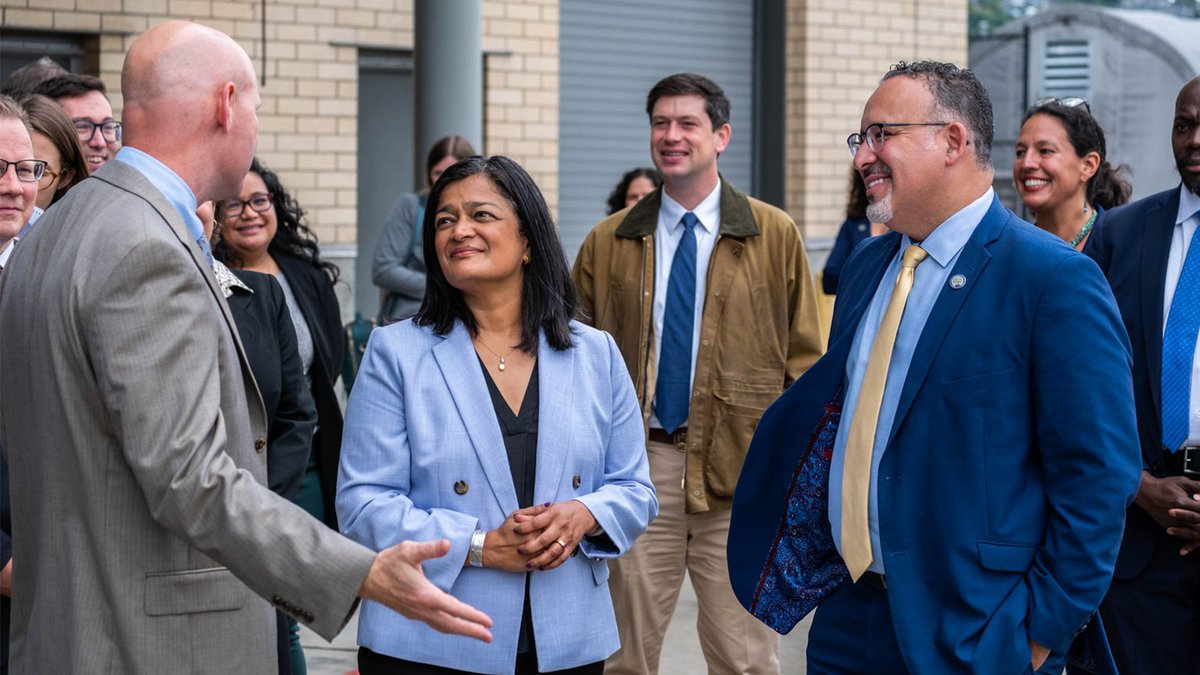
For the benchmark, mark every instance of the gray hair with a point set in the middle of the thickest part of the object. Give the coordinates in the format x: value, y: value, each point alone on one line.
x: 958, y: 94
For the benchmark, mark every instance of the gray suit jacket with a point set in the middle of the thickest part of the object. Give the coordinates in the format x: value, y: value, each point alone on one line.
x: 142, y: 522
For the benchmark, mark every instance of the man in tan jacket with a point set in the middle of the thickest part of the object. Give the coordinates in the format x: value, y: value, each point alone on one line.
x: 709, y: 297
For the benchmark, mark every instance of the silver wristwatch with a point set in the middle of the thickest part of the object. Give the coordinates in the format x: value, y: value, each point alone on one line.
x: 475, y: 555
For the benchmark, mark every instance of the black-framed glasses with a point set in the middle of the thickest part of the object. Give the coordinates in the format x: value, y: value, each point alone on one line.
x: 27, y: 170
x: 258, y: 203
x: 875, y: 135
x: 1066, y: 102
x: 110, y: 130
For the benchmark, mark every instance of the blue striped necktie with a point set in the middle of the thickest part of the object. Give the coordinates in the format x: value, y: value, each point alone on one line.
x: 1179, y: 348
x: 675, y: 352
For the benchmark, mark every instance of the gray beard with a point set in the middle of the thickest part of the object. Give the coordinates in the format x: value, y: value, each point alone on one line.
x: 880, y: 211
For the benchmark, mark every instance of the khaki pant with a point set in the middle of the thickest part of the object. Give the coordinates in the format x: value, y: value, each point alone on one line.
x: 645, y: 586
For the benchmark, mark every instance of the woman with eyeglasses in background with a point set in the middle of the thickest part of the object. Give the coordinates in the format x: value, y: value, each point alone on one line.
x: 55, y: 143
x: 262, y: 230
x: 1062, y: 171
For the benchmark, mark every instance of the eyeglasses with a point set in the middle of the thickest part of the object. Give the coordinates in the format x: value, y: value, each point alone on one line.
x: 258, y: 202
x: 27, y: 170
x: 110, y: 130
x: 48, y: 178
x: 874, y: 135
x: 1066, y: 102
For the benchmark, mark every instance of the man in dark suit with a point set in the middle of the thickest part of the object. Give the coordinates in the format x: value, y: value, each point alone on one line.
x: 1152, y: 610
x: 958, y: 507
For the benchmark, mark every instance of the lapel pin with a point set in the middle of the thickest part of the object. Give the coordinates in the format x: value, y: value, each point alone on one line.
x: 958, y: 281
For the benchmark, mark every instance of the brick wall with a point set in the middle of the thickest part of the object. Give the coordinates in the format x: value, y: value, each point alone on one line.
x: 837, y: 51
x: 308, y: 118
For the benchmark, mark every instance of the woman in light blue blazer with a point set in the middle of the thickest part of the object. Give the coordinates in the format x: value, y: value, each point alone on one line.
x: 493, y: 420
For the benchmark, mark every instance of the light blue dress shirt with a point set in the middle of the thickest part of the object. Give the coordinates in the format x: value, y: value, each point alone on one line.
x: 943, y: 246
x: 173, y: 188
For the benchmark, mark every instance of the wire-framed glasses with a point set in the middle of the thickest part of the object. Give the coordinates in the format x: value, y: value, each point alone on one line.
x: 876, y: 134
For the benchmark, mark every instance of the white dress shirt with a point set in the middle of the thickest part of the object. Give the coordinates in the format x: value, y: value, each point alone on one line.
x: 666, y: 240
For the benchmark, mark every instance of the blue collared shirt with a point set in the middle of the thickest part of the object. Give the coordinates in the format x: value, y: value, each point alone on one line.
x: 943, y: 246
x: 173, y: 188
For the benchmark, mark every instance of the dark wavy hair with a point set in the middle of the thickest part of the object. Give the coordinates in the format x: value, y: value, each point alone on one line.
x: 1107, y: 188
x: 959, y: 95
x: 616, y: 198
x: 70, y: 85
x: 292, y: 236
x: 548, y: 300
x: 856, y: 201
x: 716, y: 103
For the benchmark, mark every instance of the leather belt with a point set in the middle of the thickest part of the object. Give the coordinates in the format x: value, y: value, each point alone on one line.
x: 873, y: 580
x: 1183, y: 462
x: 677, y: 439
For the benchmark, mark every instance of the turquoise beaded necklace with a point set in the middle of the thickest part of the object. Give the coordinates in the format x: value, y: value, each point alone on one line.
x: 1087, y: 227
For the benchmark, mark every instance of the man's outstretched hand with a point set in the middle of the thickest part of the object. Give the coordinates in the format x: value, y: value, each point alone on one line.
x: 396, y: 580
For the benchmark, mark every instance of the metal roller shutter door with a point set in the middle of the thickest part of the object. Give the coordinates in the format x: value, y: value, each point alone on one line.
x: 611, y: 53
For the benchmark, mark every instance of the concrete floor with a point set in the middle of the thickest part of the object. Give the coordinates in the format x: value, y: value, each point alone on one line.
x: 681, y: 652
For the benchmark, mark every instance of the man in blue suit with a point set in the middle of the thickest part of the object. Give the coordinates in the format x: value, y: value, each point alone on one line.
x: 949, y: 482
x: 1152, y: 611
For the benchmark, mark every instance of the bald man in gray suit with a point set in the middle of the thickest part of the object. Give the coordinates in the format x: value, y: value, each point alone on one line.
x: 145, y: 538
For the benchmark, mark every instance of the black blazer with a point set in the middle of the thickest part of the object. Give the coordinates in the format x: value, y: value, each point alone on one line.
x: 319, y: 305
x: 1131, y: 244
x: 265, y: 326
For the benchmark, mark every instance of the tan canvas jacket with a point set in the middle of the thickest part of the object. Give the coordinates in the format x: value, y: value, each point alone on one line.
x: 759, y: 332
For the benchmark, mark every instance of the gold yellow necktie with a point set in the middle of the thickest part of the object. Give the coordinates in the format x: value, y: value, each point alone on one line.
x: 856, y: 472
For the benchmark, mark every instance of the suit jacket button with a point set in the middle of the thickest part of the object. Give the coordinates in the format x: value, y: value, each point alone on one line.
x: 576, y: 481
x: 260, y: 444
x: 461, y: 487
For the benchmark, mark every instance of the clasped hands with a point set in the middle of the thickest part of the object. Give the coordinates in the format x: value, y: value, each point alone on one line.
x: 1174, y: 503
x: 540, y: 537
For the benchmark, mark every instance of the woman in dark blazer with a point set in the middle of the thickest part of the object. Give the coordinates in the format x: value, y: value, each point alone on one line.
x: 262, y: 231
x: 258, y: 307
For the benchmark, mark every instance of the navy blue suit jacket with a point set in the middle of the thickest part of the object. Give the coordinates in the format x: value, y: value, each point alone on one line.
x: 1003, y: 488
x: 1131, y: 244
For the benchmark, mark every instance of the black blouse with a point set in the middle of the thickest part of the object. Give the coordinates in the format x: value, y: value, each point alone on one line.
x: 520, y: 432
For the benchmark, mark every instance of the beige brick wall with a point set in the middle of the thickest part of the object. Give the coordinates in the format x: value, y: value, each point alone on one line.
x: 837, y: 51
x: 308, y: 118
x: 520, y: 38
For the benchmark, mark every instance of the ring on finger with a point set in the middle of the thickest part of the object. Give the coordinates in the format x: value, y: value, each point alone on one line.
x: 561, y: 543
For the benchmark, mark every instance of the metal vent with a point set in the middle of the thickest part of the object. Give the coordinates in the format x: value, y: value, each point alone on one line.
x: 1067, y: 68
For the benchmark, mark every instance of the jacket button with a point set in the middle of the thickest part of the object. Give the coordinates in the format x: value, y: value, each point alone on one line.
x: 576, y: 481
x: 461, y: 487
x: 260, y: 444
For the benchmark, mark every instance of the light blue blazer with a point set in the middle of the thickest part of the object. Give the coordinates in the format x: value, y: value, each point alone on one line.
x: 420, y: 421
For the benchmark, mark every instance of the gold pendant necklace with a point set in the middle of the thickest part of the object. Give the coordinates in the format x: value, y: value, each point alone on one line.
x: 497, y: 355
